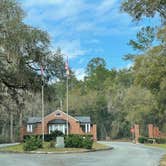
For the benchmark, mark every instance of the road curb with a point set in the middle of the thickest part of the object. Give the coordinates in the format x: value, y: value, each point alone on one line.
x: 65, y: 152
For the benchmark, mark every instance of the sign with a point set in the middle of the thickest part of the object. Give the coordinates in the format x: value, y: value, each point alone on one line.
x: 132, y: 130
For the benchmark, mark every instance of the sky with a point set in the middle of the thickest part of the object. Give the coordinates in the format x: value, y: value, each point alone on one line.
x: 85, y: 29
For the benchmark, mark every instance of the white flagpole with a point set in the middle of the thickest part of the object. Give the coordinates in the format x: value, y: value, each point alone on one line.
x: 67, y: 96
x: 67, y: 104
x: 42, y: 104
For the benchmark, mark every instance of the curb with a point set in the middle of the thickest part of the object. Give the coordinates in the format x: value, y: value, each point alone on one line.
x: 65, y: 152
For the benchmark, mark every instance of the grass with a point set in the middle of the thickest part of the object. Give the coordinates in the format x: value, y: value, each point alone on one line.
x: 157, y: 145
x: 97, y: 146
x: 46, y: 148
x: 163, y: 161
x: 14, y: 148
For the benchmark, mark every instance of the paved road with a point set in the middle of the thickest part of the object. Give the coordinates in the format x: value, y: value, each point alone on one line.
x: 123, y: 154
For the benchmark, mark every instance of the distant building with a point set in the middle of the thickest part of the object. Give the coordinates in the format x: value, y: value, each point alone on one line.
x: 57, y: 121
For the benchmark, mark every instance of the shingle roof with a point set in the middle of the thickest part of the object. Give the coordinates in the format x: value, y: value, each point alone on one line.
x: 32, y: 120
x: 83, y: 119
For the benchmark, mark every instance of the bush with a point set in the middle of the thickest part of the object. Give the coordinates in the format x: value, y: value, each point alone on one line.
x: 47, y: 137
x: 142, y: 140
x: 87, y: 142
x: 55, y: 134
x: 52, y: 144
x: 152, y: 140
x: 32, y: 143
x: 79, y: 141
x: 160, y: 140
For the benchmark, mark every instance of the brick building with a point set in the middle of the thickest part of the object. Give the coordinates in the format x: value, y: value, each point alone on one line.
x: 57, y: 121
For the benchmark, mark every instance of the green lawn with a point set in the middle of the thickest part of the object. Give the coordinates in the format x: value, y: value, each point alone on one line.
x: 157, y: 145
x: 15, y: 148
x: 163, y: 161
x: 46, y: 148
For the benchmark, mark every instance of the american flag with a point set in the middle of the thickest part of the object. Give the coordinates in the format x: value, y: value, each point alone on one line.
x: 42, y: 74
x: 42, y: 70
x: 67, y: 67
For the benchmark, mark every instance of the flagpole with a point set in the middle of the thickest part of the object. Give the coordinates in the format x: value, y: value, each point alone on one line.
x: 42, y: 90
x: 67, y: 104
x: 67, y: 95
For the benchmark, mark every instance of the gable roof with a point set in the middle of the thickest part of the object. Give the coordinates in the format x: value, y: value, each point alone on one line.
x: 32, y: 120
x: 83, y: 119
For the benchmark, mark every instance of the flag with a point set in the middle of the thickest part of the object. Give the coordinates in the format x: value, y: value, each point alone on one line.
x: 67, y: 67
x: 42, y: 70
x: 42, y: 74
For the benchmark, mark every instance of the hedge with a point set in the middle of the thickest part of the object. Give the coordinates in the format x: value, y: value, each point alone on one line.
x: 32, y: 143
x: 79, y: 141
x: 47, y: 137
x: 152, y: 140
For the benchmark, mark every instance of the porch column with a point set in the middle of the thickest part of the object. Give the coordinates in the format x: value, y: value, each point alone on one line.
x: 63, y: 129
x: 86, y: 128
x: 89, y: 127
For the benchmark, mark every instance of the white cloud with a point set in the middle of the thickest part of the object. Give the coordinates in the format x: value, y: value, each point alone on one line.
x: 105, y: 6
x: 71, y: 48
x: 80, y: 73
x: 33, y: 3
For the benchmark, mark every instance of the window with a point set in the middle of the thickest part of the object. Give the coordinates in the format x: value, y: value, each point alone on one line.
x: 54, y: 127
x: 86, y: 128
x: 29, y: 128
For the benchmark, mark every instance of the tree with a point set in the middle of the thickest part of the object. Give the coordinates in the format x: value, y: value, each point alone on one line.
x: 97, y: 73
x: 150, y: 69
x: 140, y: 8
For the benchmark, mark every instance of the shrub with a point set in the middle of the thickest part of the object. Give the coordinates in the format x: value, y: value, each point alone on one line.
x: 142, y: 140
x: 160, y: 140
x: 52, y: 144
x: 32, y: 143
x: 87, y: 142
x: 151, y: 140
x: 79, y: 141
x: 55, y: 134
x: 47, y: 137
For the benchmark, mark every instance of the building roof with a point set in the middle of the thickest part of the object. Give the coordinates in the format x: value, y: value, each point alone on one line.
x: 83, y: 119
x: 32, y: 120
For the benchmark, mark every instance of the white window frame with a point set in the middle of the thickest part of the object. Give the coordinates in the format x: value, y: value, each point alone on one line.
x: 87, y: 128
x: 29, y: 128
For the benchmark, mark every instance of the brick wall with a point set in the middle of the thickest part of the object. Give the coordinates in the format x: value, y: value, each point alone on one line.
x: 137, y: 134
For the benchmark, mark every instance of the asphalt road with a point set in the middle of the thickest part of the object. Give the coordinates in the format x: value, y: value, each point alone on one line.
x: 123, y: 154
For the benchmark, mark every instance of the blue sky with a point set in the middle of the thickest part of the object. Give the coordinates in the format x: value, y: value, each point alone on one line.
x: 84, y: 29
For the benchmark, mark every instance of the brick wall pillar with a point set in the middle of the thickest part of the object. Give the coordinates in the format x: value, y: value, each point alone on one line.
x: 21, y: 133
x: 136, y: 129
x: 94, y: 132
x: 150, y: 130
x: 155, y: 132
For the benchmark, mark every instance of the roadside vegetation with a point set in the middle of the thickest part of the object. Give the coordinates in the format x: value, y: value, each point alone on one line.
x: 163, y: 161
x: 50, y: 147
x: 114, y: 98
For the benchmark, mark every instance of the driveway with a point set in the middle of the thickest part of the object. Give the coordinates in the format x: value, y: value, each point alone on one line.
x: 123, y: 154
